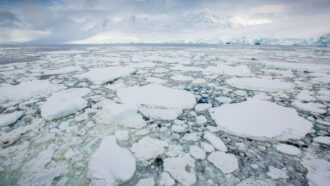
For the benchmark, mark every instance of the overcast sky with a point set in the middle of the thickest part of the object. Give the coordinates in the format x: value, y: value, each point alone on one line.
x: 154, y: 21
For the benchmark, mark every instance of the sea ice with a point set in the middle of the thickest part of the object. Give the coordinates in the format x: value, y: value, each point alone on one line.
x: 197, y: 152
x: 181, y: 78
x: 120, y: 114
x: 180, y: 169
x: 148, y: 148
x: 253, y: 182
x: 276, y: 173
x: 64, y: 103
x: 260, y: 119
x: 322, y: 139
x: 305, y: 96
x: 26, y: 90
x: 166, y: 180
x: 215, y: 141
x: 111, y: 164
x: 288, y: 149
x: 227, y: 163
x: 318, y: 171
x: 157, y: 96
x: 240, y: 70
x: 146, y: 182
x: 202, y: 107
x: 260, y: 84
x: 7, y: 119
x: 310, y: 107
x: 160, y: 113
x: 104, y: 75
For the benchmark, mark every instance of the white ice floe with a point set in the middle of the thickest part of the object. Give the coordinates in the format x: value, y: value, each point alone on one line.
x: 157, y: 96
x: 155, y: 80
x: 64, y: 103
x: 322, y: 139
x: 318, y: 171
x: 240, y: 70
x: 196, y: 152
x: 305, y: 96
x: 199, y: 81
x: 148, y: 148
x: 202, y: 106
x: 160, y: 113
x: 103, y: 75
x: 207, y: 147
x: 215, y: 141
x: 260, y: 119
x: 166, y: 180
x: 288, y: 149
x: 276, y: 173
x: 180, y: 169
x: 227, y: 163
x: 7, y: 119
x: 223, y: 99
x: 253, y: 182
x: 181, y: 78
x: 64, y: 70
x: 111, y: 164
x: 300, y: 66
x: 310, y: 107
x: 260, y: 84
x: 120, y: 114
x: 146, y: 182
x: 26, y: 90
x: 201, y: 119
x: 178, y: 128
x: 122, y: 135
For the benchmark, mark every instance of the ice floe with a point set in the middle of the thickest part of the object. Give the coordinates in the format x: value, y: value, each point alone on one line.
x: 196, y: 152
x: 146, y: 182
x: 310, y: 107
x: 111, y: 164
x: 288, y: 149
x: 318, y: 171
x: 120, y: 114
x: 64, y: 103
x: 148, y: 148
x: 260, y: 84
x: 10, y: 118
x: 227, y: 163
x: 180, y: 169
x: 276, y: 173
x: 215, y: 141
x: 260, y: 119
x: 104, y: 75
x: 323, y: 140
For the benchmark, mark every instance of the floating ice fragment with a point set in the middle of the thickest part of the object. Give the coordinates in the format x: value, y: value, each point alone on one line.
x: 7, y: 119
x: 288, y: 149
x: 64, y: 103
x: 240, y: 70
x: 146, y: 182
x: 160, y: 113
x: 260, y: 84
x: 103, y: 75
x: 276, y: 173
x: 166, y: 180
x: 318, y: 171
x: 122, y: 135
x: 310, y: 107
x: 227, y: 163
x: 148, y: 148
x: 111, y: 164
x: 120, y: 114
x: 178, y: 167
x: 202, y: 107
x: 197, y: 152
x: 215, y: 141
x: 322, y: 139
x: 260, y: 119
x: 253, y: 182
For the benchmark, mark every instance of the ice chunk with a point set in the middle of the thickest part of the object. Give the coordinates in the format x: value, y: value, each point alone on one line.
x: 181, y: 78
x: 260, y: 84
x: 111, y: 164
x: 157, y: 96
x: 322, y: 139
x: 202, y: 107
x: 227, y: 163
x: 122, y: 135
x: 166, y: 180
x: 64, y: 70
x: 197, y: 152
x: 310, y: 107
x: 146, y: 182
x: 178, y: 167
x: 103, y: 75
x: 215, y: 141
x: 160, y: 113
x: 260, y: 119
x: 288, y: 149
x: 318, y: 171
x: 26, y: 90
x: 207, y: 147
x: 120, y: 114
x: 64, y: 103
x: 148, y: 148
x: 276, y: 173
x: 201, y: 119
x: 7, y: 119
x: 178, y: 128
x: 240, y: 70
x: 253, y: 182
x: 305, y: 96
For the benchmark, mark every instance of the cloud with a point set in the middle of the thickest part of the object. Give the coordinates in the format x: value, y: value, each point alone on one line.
x: 101, y: 21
